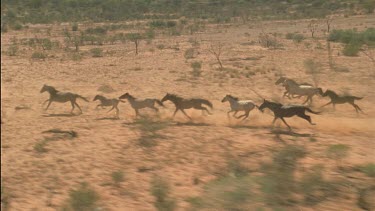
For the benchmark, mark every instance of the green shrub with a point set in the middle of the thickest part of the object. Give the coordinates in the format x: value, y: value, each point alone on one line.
x: 160, y: 189
x: 117, y: 177
x: 17, y: 26
x: 40, y: 146
x: 295, y: 37
x: 196, y: 68
x: 75, y: 27
x: 38, y: 55
x: 352, y: 49
x: 278, y: 182
x: 97, y: 30
x: 96, y: 52
x: 338, y: 152
x: 368, y: 169
x: 46, y: 44
x: 189, y: 53
x: 312, y: 66
x: 12, y: 50
x: 83, y: 199
x: 314, y: 188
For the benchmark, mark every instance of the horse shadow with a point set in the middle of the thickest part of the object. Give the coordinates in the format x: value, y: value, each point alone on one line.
x: 107, y: 118
x: 191, y: 124
x: 290, y: 133
x: 60, y: 115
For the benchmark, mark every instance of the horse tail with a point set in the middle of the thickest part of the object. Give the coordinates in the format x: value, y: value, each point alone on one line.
x: 311, y: 111
x: 206, y: 102
x: 159, y: 102
x: 122, y: 101
x: 79, y: 96
x: 357, y: 98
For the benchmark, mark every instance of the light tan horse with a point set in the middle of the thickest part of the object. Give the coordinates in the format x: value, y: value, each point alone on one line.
x: 61, y: 97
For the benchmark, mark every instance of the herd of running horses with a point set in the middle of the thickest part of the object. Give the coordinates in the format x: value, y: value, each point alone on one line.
x: 293, y: 89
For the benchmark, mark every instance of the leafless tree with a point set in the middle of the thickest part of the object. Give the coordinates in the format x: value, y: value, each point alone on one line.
x: 216, y: 51
x: 313, y: 26
x: 328, y: 23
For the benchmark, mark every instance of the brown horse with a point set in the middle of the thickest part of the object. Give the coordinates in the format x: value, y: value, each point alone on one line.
x: 336, y: 99
x: 182, y: 104
x: 280, y: 111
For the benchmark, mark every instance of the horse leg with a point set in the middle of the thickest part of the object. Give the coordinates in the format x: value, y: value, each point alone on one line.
x: 326, y: 104
x: 73, y: 106
x: 49, y: 103
x: 185, y: 114
x: 137, y: 112
x: 156, y: 109
x: 246, y: 115
x: 117, y: 112
x: 359, y: 108
x: 229, y: 113
x: 355, y: 106
x: 234, y: 115
x: 78, y: 106
x: 307, y: 99
x: 174, y: 114
x: 200, y: 107
x: 286, y: 123
x: 111, y: 109
x: 274, y: 120
x: 306, y: 117
x: 44, y: 102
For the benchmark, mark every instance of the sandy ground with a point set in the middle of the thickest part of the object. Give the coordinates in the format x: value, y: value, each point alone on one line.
x: 190, y: 150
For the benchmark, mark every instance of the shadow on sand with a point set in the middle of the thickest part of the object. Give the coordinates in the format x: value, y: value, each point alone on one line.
x: 191, y: 124
x: 60, y: 115
x: 108, y: 118
x: 290, y: 133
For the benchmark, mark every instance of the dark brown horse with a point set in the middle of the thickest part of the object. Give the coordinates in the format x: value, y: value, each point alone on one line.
x: 336, y: 99
x: 182, y: 104
x: 281, y: 111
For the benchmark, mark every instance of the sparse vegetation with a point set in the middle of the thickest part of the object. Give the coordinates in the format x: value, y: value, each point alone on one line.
x: 12, y: 50
x: 149, y: 130
x: 40, y: 146
x: 189, y: 53
x: 295, y: 37
x: 196, y: 68
x: 279, y: 182
x: 160, y: 189
x: 368, y: 169
x: 117, y: 177
x: 312, y: 67
x: 216, y: 51
x: 353, y: 40
x: 97, y: 52
x: 268, y: 41
x: 39, y: 55
x: 338, y: 152
x: 314, y: 188
x: 84, y: 198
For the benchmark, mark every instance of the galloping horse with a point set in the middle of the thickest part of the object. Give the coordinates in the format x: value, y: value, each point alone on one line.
x: 137, y: 104
x: 281, y: 111
x: 61, y: 97
x: 237, y: 105
x: 182, y: 104
x: 336, y: 99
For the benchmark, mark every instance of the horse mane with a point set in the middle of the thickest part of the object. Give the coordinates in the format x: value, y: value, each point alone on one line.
x: 330, y: 91
x: 131, y: 96
x: 233, y: 97
x: 50, y: 88
x: 174, y: 96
